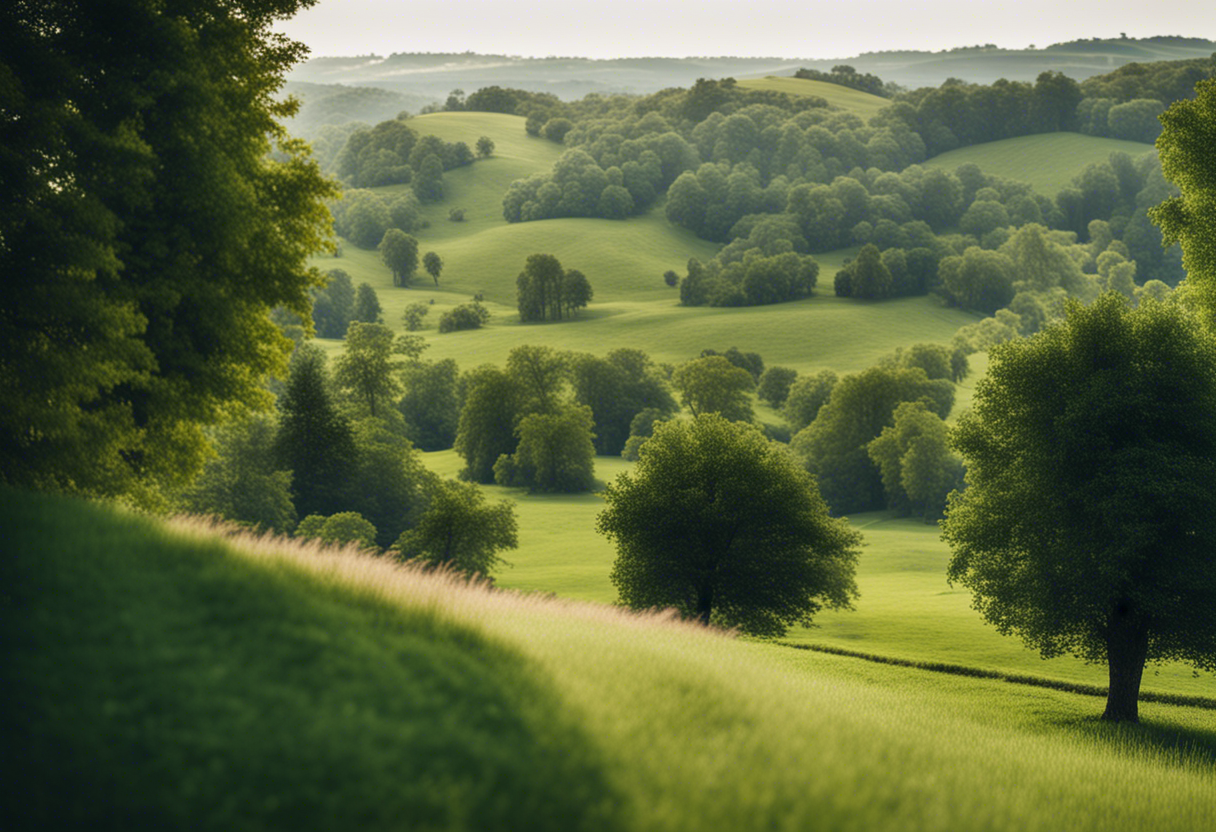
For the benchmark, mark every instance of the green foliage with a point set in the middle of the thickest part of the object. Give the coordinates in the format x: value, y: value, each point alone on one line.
x: 547, y: 292
x: 465, y: 316
x: 1189, y: 129
x: 617, y: 388
x: 315, y: 442
x: 389, y: 482
x: 413, y: 315
x: 428, y: 180
x: 722, y: 525
x: 714, y: 385
x: 486, y: 429
x: 154, y: 213
x: 341, y: 528
x: 555, y: 452
x: 806, y: 395
x: 367, y: 371
x: 833, y: 446
x: 333, y: 305
x: 367, y: 306
x: 1085, y: 527
x: 913, y: 456
x: 485, y: 146
x: 399, y: 251
x: 431, y: 403
x: 459, y: 531
x: 433, y: 264
x: 243, y: 483
x: 979, y: 279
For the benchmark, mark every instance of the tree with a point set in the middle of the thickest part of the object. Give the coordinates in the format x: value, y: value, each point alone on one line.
x: 413, y: 315
x: 341, y: 528
x: 399, y: 251
x: 367, y: 306
x: 464, y: 316
x: 774, y: 385
x: 333, y: 305
x: 714, y: 385
x: 433, y: 264
x: 367, y: 371
x: 315, y: 442
x: 547, y: 292
x: 428, y: 180
x: 431, y: 406
x: 616, y: 388
x: 389, y: 482
x: 243, y: 483
x: 555, y: 452
x: 807, y: 394
x: 1187, y: 137
x: 913, y: 455
x: 671, y: 278
x: 458, y: 530
x: 719, y: 523
x: 486, y: 429
x: 146, y: 231
x: 485, y: 147
x: 1086, y: 526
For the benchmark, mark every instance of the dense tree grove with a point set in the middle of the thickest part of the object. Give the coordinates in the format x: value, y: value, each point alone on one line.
x: 547, y: 292
x: 146, y: 231
x: 721, y: 524
x: 1086, y: 525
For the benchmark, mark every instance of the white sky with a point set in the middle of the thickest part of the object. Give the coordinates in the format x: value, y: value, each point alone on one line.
x: 766, y: 28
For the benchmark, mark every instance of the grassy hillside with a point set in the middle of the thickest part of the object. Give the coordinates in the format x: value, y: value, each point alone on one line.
x: 1047, y: 161
x: 164, y: 676
x: 860, y: 103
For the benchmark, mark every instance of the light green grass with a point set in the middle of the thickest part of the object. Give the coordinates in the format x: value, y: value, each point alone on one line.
x: 1048, y: 161
x: 265, y: 717
x: 860, y: 103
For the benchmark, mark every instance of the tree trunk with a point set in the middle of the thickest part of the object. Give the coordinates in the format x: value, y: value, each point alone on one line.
x: 705, y: 604
x: 1126, y: 652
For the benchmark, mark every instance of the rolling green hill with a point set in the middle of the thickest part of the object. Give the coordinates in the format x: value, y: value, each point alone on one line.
x: 164, y: 674
x: 1047, y: 161
x: 860, y: 103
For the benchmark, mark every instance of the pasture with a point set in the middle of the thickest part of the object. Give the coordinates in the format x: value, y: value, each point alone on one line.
x: 1047, y: 161
x: 177, y: 672
x: 861, y: 104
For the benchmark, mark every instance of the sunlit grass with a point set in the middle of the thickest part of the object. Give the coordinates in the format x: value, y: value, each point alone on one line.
x: 647, y: 723
x: 1047, y: 161
x: 857, y: 102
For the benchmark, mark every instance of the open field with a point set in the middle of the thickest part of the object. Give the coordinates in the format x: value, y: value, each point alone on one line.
x: 1048, y: 161
x: 175, y: 675
x: 859, y: 103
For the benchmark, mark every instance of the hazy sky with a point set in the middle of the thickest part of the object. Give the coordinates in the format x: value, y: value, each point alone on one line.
x: 769, y: 28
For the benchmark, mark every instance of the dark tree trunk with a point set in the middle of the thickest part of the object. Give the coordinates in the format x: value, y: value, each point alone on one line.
x: 705, y: 605
x: 1126, y: 652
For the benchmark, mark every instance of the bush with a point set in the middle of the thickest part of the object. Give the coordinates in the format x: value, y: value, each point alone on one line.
x: 466, y: 316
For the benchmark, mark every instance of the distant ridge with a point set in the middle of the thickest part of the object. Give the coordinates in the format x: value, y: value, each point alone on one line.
x: 434, y: 75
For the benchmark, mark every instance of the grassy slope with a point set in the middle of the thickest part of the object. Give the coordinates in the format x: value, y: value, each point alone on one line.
x: 174, y: 678
x: 860, y: 103
x: 1048, y: 161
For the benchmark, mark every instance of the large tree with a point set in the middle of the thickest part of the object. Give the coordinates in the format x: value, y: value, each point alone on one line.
x: 1185, y: 144
x: 721, y: 524
x: 1086, y: 526
x: 146, y: 230
x: 399, y: 251
x: 713, y: 384
x: 460, y: 531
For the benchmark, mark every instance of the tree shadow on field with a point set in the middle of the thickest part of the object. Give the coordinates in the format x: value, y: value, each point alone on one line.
x: 1174, y: 740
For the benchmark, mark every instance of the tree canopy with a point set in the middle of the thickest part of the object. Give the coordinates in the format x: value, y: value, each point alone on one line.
x: 146, y: 231
x: 721, y: 524
x: 1086, y: 526
x: 459, y: 530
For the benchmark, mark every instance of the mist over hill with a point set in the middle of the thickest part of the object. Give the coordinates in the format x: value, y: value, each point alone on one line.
x: 436, y: 74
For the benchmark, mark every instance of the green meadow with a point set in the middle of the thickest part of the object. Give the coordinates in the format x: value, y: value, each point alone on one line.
x: 624, y: 260
x: 1047, y: 161
x: 859, y: 103
x: 167, y: 675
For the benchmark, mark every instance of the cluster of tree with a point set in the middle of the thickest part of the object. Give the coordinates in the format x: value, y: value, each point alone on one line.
x: 392, y: 153
x: 766, y: 264
x: 471, y: 315
x: 547, y: 292
x: 539, y: 421
x: 399, y: 251
x: 849, y: 414
x: 579, y: 187
x: 363, y: 216
x: 1167, y: 81
x: 337, y: 304
x: 847, y: 76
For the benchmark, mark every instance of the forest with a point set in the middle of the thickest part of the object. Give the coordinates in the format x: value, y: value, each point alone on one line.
x: 800, y: 367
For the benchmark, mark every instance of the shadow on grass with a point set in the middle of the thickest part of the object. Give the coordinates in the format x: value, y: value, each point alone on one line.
x: 1159, y: 734
x: 172, y: 684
